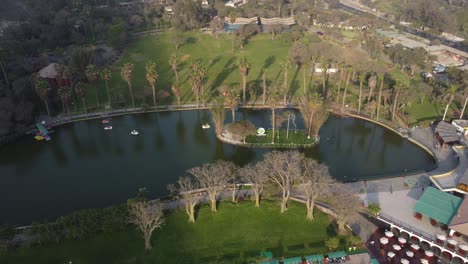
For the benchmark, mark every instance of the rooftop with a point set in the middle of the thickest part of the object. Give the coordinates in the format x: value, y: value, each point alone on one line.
x: 438, y: 205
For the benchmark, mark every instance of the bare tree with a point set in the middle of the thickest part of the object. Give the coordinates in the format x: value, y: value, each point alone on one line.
x: 213, y: 177
x: 147, y: 216
x: 314, y: 112
x: 344, y: 204
x: 257, y: 176
x: 187, y: 189
x: 314, y: 182
x: 283, y: 168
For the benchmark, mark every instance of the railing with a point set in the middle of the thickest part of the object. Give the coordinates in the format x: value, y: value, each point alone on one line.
x: 409, y: 228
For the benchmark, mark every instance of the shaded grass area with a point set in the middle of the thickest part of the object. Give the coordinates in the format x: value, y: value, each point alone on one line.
x: 294, y: 137
x: 232, y: 235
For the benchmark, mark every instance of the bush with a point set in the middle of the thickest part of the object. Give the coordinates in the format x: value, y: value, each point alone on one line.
x: 374, y: 208
x: 79, y: 225
x: 433, y: 222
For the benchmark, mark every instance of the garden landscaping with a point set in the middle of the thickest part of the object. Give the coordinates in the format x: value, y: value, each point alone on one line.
x: 235, y: 234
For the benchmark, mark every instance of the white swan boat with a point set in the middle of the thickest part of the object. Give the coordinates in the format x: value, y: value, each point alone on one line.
x: 206, y: 126
x: 134, y: 132
x: 108, y: 128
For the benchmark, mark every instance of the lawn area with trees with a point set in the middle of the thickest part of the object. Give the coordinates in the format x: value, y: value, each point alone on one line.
x: 234, y: 233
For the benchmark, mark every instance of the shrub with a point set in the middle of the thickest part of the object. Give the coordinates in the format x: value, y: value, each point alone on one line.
x: 374, y: 208
x: 433, y: 222
x: 418, y: 216
x: 332, y: 243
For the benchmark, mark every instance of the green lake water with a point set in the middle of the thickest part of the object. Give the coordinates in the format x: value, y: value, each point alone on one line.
x: 85, y: 166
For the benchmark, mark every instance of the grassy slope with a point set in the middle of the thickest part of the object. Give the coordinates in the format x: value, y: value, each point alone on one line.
x: 261, y: 51
x: 227, y: 233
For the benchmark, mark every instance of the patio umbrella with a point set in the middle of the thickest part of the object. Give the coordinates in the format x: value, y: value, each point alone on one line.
x: 429, y: 253
x: 424, y: 261
x: 452, y: 242
x: 389, y: 233
x: 441, y: 237
x: 463, y: 247
x: 404, y: 261
x: 390, y: 254
x: 409, y: 253
x: 396, y: 247
x: 383, y: 240
x: 416, y: 247
x: 402, y: 240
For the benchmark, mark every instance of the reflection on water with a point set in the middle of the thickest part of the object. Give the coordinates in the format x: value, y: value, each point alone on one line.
x: 85, y: 166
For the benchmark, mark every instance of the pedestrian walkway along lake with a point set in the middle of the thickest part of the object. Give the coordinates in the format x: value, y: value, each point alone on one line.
x: 85, y: 166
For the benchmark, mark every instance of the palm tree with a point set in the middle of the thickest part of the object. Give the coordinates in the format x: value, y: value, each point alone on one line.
x: 152, y: 76
x: 92, y: 74
x: 324, y: 67
x: 362, y: 79
x: 42, y: 90
x: 232, y: 101
x: 465, y: 95
x: 70, y: 72
x: 60, y: 68
x: 285, y: 67
x: 81, y: 92
x: 450, y: 93
x: 106, y: 76
x: 396, y: 93
x: 173, y: 62
x: 341, y: 67
x: 176, y: 89
x: 244, y: 67
x: 348, y: 76
x: 195, y: 81
x: 264, y: 86
x: 202, y: 75
x: 127, y: 73
x: 273, y: 104
x: 63, y: 93
x: 381, y: 77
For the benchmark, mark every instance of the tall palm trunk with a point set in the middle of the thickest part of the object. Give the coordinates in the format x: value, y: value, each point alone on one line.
x: 154, y: 95
x: 244, y: 84
x: 63, y: 104
x: 285, y: 95
x: 131, y: 93
x: 380, y: 98
x: 97, y: 94
x: 345, y: 89
x: 233, y: 114
x: 273, y: 125
x: 47, y: 107
x: 360, y: 98
x: 464, y: 106
x: 324, y: 89
x: 83, y: 100
x: 264, y: 88
x: 304, y: 78
x: 395, y: 100
x: 338, y: 88
x: 446, y: 108
x: 108, y: 93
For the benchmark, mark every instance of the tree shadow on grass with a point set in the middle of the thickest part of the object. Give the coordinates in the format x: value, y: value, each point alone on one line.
x: 225, y: 72
x: 294, y: 84
x: 213, y: 62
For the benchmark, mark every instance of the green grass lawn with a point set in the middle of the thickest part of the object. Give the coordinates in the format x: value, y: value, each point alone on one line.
x: 428, y: 111
x: 215, y: 53
x: 233, y: 233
